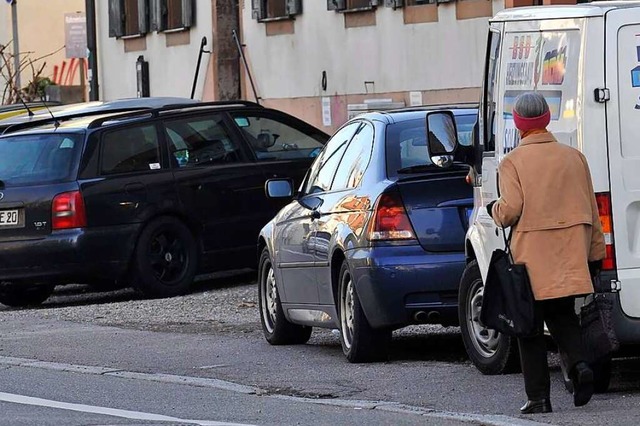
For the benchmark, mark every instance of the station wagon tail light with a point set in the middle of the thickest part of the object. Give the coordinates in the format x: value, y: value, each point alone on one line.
x: 68, y: 211
x: 604, y: 210
x: 390, y: 219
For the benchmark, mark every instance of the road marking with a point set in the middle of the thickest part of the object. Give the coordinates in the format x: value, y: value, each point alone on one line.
x: 485, y: 419
x: 114, y: 412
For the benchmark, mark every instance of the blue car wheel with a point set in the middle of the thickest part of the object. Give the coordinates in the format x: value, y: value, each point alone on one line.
x: 360, y: 342
x: 277, y: 330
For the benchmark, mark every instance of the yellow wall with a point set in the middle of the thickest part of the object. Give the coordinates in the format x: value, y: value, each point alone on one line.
x: 41, y: 32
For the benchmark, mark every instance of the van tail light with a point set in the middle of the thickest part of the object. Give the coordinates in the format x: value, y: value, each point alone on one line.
x: 390, y: 220
x: 604, y: 210
x: 68, y: 211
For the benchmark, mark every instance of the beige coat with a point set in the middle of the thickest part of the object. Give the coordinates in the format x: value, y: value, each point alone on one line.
x: 547, y: 196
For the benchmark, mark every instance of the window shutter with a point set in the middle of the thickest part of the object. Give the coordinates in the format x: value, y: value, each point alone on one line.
x: 394, y: 3
x: 294, y: 7
x: 336, y: 4
x: 116, y: 18
x: 155, y: 15
x: 187, y: 13
x: 143, y: 16
x: 257, y: 9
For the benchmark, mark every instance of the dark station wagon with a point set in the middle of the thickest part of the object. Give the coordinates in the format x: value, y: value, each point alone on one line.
x: 146, y: 198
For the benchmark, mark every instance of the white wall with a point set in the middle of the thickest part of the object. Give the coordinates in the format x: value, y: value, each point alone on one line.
x: 397, y: 57
x: 171, y: 69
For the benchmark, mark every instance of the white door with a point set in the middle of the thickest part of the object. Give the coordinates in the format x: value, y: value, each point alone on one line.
x: 623, y: 120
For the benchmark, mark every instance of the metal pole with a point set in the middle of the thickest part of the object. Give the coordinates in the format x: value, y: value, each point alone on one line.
x: 203, y: 43
x: 246, y: 66
x: 90, y: 10
x: 16, y: 47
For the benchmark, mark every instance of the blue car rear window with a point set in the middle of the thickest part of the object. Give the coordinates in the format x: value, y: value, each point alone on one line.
x: 406, y: 142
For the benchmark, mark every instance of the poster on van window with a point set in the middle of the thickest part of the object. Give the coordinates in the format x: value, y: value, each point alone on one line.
x: 546, y: 62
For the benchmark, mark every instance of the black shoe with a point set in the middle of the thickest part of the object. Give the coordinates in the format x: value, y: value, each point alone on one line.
x: 537, y: 406
x: 582, y: 379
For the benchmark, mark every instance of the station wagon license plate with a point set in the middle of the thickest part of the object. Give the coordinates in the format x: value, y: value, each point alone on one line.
x: 9, y: 217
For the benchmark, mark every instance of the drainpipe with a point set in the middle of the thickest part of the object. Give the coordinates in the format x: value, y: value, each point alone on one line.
x: 90, y: 10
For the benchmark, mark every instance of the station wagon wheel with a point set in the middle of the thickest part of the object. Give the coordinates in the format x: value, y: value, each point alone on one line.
x: 360, y: 342
x: 490, y: 351
x: 275, y: 326
x: 165, y: 261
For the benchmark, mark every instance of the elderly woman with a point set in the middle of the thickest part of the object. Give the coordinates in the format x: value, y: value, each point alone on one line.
x: 547, y: 198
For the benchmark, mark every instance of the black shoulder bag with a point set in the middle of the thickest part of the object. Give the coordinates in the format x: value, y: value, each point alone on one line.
x: 598, y: 333
x: 508, y: 305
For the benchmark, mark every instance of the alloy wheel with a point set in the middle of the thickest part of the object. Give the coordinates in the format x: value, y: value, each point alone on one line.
x: 269, y: 298
x: 347, y: 311
x: 168, y: 256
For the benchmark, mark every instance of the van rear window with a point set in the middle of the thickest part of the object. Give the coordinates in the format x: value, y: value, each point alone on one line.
x: 38, y: 159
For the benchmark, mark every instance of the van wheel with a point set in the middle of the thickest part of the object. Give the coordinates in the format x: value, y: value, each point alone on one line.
x: 360, y: 342
x: 165, y: 259
x: 21, y: 296
x: 277, y: 330
x: 490, y: 351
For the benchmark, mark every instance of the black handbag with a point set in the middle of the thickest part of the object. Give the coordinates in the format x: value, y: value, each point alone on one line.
x: 598, y: 333
x: 508, y: 305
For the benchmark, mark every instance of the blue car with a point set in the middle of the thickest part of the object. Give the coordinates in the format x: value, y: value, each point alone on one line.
x: 372, y: 241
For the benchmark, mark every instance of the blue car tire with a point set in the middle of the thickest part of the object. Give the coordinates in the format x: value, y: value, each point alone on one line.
x: 360, y: 342
x: 277, y: 330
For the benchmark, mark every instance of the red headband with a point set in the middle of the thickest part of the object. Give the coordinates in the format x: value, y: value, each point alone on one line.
x: 531, y: 123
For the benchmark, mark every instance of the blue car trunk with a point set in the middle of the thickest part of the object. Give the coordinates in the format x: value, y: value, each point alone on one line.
x: 438, y: 205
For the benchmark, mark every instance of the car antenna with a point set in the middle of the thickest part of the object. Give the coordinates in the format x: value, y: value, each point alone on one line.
x: 56, y: 123
x: 26, y: 106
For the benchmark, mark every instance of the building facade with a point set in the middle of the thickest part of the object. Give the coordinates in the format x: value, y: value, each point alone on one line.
x: 41, y: 38
x: 321, y: 60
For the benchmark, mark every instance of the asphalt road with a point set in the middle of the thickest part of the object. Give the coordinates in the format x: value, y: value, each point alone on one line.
x: 119, y: 352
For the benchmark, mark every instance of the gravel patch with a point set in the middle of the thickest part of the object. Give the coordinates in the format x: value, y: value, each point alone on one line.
x: 220, y: 303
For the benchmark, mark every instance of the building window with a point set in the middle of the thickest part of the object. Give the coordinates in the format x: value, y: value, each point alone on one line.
x: 351, y: 5
x: 272, y: 10
x: 128, y: 18
x: 400, y: 3
x: 172, y: 15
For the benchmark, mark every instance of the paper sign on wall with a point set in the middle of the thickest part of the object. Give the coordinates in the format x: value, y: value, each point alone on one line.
x: 326, y: 111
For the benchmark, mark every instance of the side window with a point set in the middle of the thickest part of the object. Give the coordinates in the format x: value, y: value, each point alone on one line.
x: 489, y: 119
x: 355, y: 159
x: 133, y: 149
x: 201, y: 141
x: 272, y: 139
x: 324, y: 168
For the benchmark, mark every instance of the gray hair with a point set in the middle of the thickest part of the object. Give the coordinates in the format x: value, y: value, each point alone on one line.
x: 531, y: 104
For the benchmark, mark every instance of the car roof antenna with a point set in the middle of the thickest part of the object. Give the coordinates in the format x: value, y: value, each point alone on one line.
x: 56, y: 123
x: 26, y: 106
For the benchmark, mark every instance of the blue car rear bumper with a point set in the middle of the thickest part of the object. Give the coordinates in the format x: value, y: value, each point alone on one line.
x: 396, y: 282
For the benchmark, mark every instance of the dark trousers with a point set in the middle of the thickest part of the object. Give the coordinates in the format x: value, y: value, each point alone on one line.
x: 564, y: 326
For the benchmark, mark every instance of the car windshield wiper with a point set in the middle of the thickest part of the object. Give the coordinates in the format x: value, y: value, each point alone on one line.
x: 417, y: 168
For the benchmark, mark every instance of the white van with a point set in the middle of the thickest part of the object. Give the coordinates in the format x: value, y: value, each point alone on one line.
x: 585, y: 60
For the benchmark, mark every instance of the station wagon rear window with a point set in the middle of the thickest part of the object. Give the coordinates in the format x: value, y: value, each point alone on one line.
x: 38, y: 159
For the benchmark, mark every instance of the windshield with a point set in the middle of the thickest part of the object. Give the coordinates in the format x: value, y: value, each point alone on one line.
x: 37, y: 159
x: 406, y: 142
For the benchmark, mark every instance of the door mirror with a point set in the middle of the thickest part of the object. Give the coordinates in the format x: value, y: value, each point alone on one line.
x: 311, y: 202
x: 442, y: 137
x: 279, y: 188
